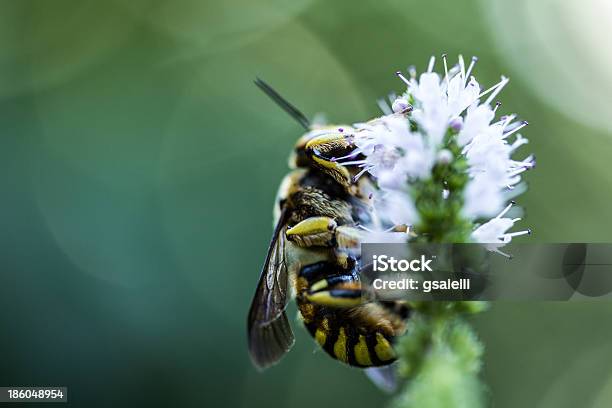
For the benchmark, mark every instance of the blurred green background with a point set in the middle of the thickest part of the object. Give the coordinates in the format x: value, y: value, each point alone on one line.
x: 139, y: 166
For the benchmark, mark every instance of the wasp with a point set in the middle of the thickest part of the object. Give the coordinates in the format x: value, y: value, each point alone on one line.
x: 314, y: 256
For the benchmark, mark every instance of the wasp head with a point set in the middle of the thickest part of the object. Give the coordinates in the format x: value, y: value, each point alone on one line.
x: 324, y: 149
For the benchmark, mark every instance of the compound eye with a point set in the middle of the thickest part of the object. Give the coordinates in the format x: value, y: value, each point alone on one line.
x: 324, y: 151
x: 330, y: 146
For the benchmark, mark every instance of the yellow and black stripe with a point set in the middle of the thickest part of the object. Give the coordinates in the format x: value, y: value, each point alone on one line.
x: 348, y: 344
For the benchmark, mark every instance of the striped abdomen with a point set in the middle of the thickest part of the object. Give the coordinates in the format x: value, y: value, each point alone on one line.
x: 341, y: 334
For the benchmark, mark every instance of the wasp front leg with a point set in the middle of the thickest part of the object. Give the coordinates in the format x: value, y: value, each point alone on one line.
x: 325, y: 232
x: 313, y: 231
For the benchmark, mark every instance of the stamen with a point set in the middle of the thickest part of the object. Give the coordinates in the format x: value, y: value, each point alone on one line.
x: 348, y: 156
x: 498, y: 90
x: 505, y: 120
x: 516, y: 129
x: 519, y: 233
x: 518, y: 171
x: 412, y: 71
x: 361, y: 173
x: 462, y: 68
x: 533, y: 161
x: 445, y: 70
x: 502, y: 253
x: 402, y: 77
x: 494, y: 87
x: 383, y: 106
x: 512, y: 125
x: 432, y: 62
x: 527, y: 162
x: 470, y: 68
x: 497, y: 105
x: 354, y: 162
x: 505, y: 210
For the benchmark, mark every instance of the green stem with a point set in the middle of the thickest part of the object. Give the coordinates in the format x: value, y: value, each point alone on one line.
x: 440, y: 356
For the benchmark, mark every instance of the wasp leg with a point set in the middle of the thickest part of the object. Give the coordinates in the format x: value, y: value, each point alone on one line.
x: 348, y: 241
x: 340, y: 291
x: 324, y: 151
x: 324, y: 231
x: 313, y: 231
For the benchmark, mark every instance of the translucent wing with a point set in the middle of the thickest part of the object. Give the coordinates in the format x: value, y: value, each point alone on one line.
x: 384, y: 377
x: 269, y: 333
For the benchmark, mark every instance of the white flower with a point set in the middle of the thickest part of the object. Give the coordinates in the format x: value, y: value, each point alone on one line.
x: 392, y: 152
x: 494, y: 232
x: 431, y: 108
x: 389, y: 131
x: 394, y: 207
x: 491, y: 167
x: 482, y: 197
x: 476, y: 122
x: 437, y: 116
x: 460, y: 96
x: 417, y: 160
x: 390, y: 180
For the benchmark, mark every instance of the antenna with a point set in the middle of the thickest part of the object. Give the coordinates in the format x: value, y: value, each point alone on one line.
x: 283, y: 103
